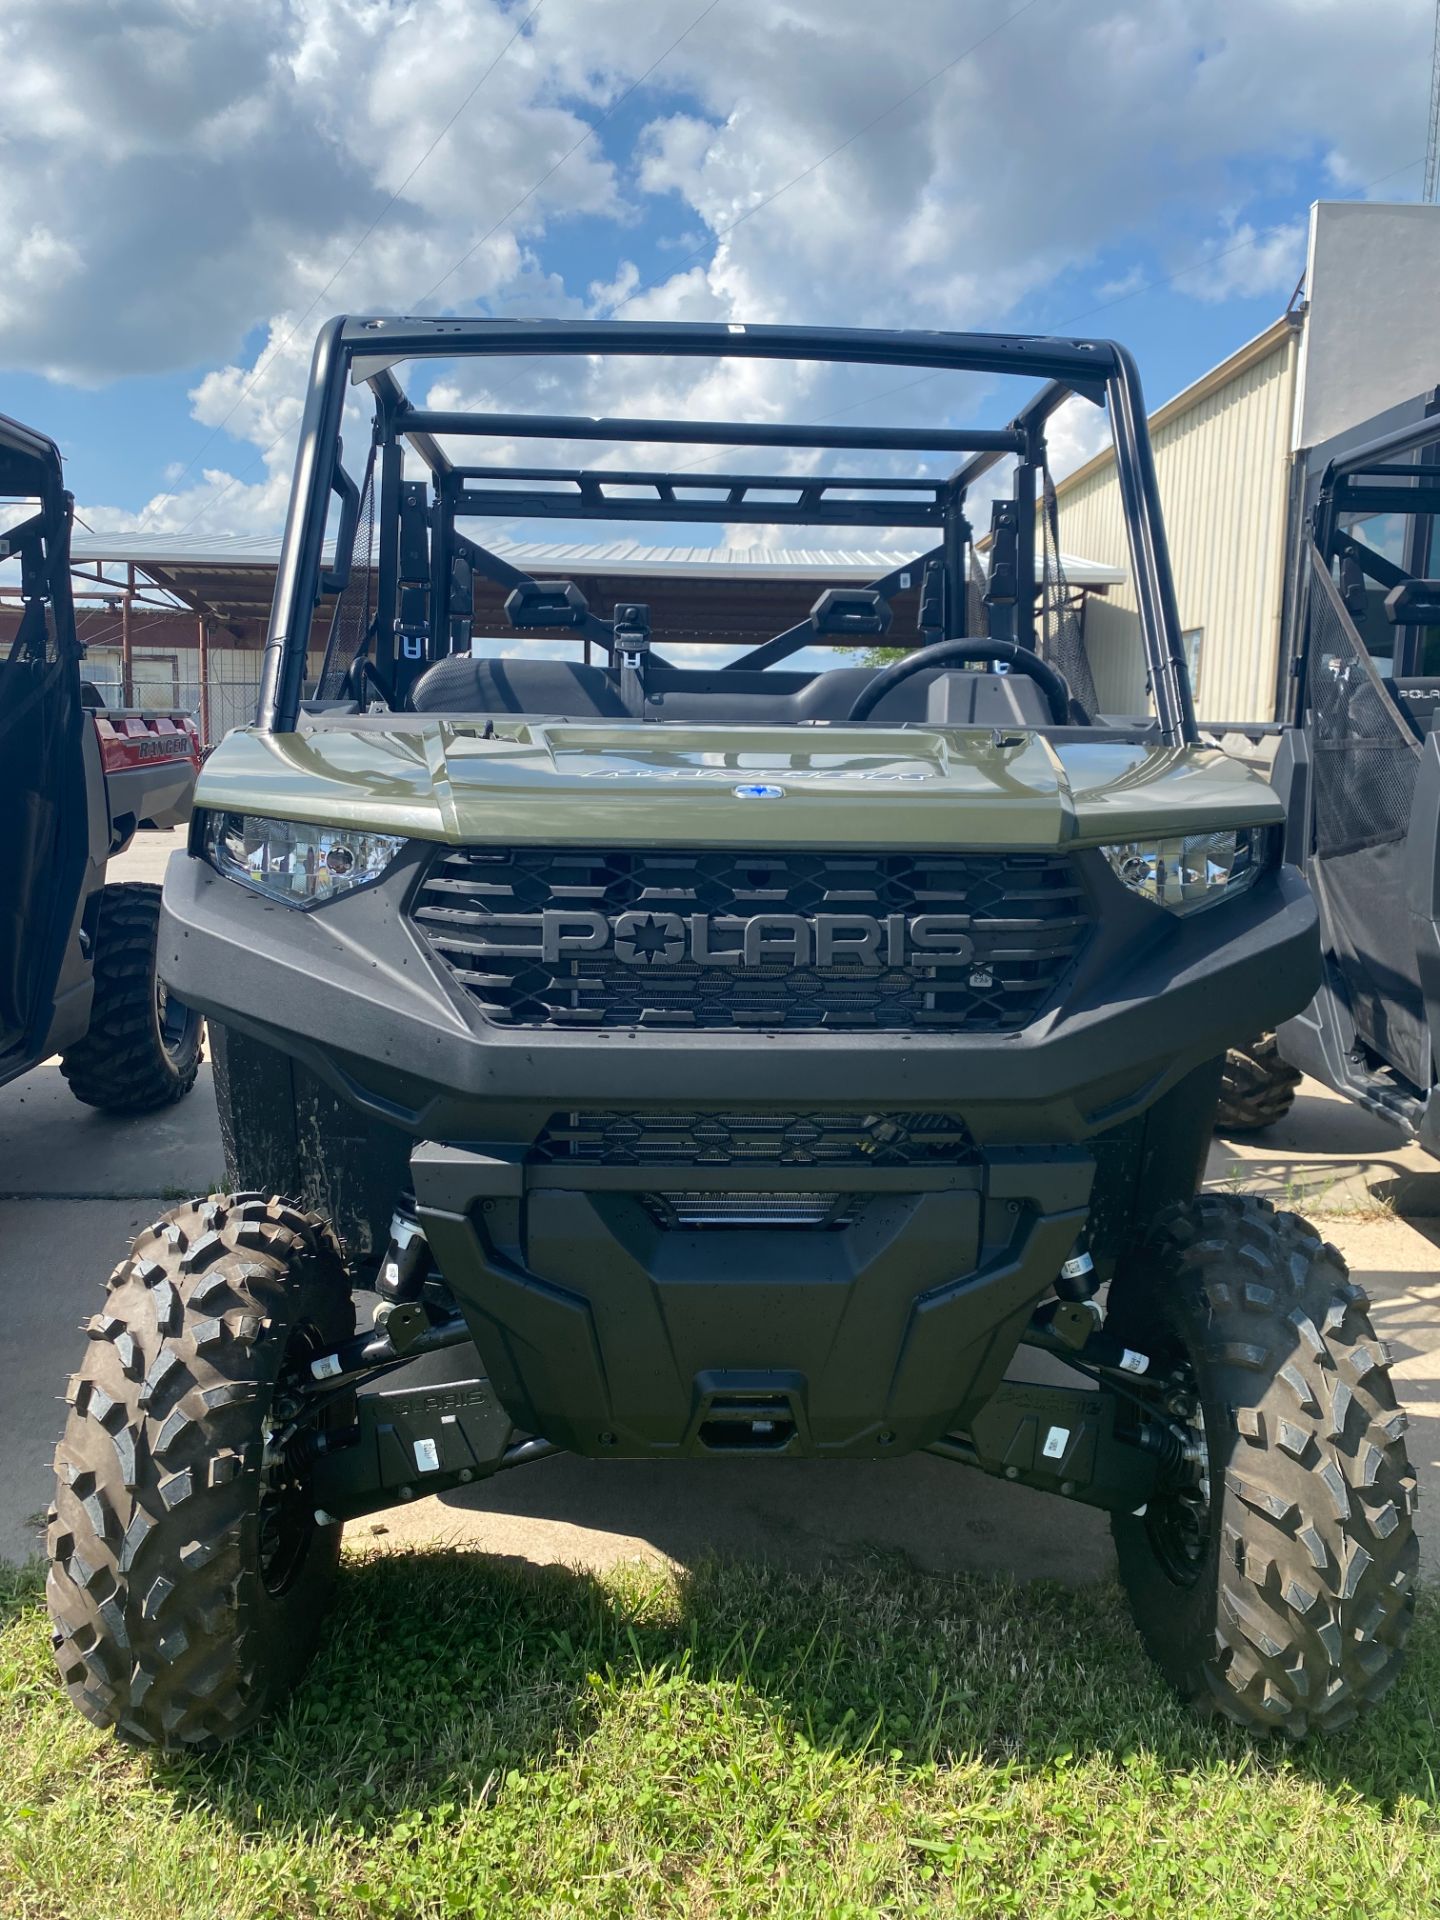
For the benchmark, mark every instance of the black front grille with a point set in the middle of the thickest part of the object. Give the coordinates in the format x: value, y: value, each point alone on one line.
x: 607, y: 1139
x: 961, y: 942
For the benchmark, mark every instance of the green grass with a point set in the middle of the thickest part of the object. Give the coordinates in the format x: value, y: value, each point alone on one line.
x: 480, y: 1737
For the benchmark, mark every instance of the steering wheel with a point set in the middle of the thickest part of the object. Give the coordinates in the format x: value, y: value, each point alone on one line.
x: 1051, y: 682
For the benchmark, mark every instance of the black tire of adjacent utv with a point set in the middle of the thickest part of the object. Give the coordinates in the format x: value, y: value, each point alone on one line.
x: 125, y: 1063
x: 164, y: 1626
x: 1257, y: 1087
x: 1298, y: 1610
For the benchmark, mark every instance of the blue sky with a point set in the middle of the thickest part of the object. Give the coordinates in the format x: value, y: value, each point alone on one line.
x: 188, y: 190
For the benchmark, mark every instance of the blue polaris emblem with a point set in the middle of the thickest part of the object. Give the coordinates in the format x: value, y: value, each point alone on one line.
x: 759, y: 792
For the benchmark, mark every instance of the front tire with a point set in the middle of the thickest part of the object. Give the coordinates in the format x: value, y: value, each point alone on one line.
x: 1282, y: 1597
x: 142, y: 1049
x: 187, y: 1574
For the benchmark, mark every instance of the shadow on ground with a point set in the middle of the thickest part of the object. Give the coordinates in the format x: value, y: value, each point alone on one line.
x: 441, y: 1674
x: 934, y: 1515
x: 1329, y: 1153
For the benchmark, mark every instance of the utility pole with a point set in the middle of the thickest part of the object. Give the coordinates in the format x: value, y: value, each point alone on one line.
x: 1432, y: 145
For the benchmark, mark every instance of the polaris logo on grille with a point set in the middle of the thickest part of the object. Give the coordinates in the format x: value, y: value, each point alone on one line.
x: 764, y: 939
x: 753, y: 939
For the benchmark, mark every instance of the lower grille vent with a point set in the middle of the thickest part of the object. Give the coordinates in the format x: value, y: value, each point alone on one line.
x: 740, y: 1139
x: 696, y: 1210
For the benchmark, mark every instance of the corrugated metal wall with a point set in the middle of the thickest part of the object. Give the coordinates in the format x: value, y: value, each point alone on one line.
x: 1223, y: 464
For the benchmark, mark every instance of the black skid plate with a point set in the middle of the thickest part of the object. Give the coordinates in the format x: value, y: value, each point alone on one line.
x: 413, y: 1441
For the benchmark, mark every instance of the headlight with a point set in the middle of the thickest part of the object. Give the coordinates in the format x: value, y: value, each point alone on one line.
x: 1196, y: 871
x: 298, y: 865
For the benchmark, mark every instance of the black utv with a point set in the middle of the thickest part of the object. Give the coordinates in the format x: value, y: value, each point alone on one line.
x: 77, y: 954
x: 1358, y: 768
x: 701, y: 1060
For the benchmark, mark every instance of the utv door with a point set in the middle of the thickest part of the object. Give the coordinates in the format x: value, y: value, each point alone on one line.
x: 43, y: 817
x: 1366, y: 759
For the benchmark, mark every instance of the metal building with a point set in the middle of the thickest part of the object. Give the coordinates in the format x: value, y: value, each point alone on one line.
x: 1222, y: 453
x: 1231, y: 451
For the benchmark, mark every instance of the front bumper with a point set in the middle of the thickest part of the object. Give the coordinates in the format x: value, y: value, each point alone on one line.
x: 614, y: 1336
x: 352, y: 992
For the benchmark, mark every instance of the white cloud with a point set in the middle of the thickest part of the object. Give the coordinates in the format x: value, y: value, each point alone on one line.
x: 1249, y: 263
x: 606, y: 295
x: 40, y: 266
x: 178, y: 179
x: 1076, y: 431
x: 1123, y: 285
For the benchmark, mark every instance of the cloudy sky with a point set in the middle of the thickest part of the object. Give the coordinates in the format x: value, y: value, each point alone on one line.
x: 188, y: 187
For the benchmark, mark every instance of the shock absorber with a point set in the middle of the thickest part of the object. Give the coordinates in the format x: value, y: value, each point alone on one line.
x: 407, y: 1258
x: 310, y: 1445
x: 1077, y: 1279
x: 1073, y: 1324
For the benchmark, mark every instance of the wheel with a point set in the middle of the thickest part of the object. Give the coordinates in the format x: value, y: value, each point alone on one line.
x: 142, y: 1049
x: 187, y: 1574
x: 1272, y: 1577
x: 1257, y: 1089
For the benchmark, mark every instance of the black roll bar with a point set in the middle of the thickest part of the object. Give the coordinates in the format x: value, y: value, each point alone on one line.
x: 596, y: 493
x: 385, y: 338
x: 282, y: 669
x: 366, y: 348
x: 704, y: 433
x: 1150, y: 554
x: 1386, y: 447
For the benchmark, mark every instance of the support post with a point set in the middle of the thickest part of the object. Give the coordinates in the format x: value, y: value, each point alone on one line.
x: 1026, y: 472
x: 204, y: 639
x: 127, y: 657
x: 957, y: 536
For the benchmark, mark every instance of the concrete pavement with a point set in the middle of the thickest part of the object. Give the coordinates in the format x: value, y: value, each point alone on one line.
x: 75, y: 1186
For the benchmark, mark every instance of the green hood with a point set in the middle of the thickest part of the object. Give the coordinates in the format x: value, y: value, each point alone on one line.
x: 632, y: 783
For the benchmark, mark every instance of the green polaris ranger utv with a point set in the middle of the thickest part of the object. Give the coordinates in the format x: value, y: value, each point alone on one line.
x: 1357, y: 765
x: 77, y: 782
x: 709, y: 1060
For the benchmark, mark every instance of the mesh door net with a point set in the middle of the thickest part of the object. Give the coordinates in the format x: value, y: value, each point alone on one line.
x: 1365, y: 761
x: 1366, y: 757
x: 1062, y: 643
x: 42, y: 800
x: 354, y: 615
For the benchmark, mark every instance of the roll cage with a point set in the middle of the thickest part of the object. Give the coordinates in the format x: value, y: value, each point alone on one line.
x: 417, y: 596
x: 35, y: 515
x: 43, y: 803
x: 1396, y: 476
